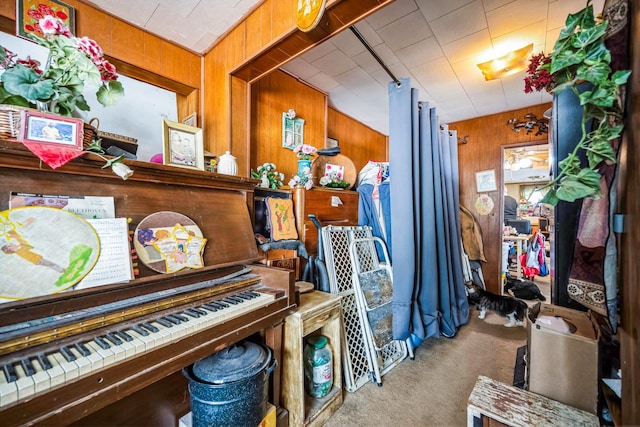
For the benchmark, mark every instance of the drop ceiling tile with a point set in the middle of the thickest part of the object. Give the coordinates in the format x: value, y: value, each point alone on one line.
x: 494, y: 4
x: 323, y: 82
x: 300, y: 68
x: 137, y: 12
x: 334, y: 63
x: 418, y: 53
x: 501, y: 20
x: 396, y: 36
x: 460, y: 23
x: 368, y: 33
x: 347, y: 42
x: 535, y: 33
x: 390, y: 13
x: 386, y: 54
x: 434, y: 9
x: 319, y: 51
x: 367, y: 62
x: 468, y: 47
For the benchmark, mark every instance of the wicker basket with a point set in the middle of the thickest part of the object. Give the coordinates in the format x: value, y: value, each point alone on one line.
x: 10, y: 120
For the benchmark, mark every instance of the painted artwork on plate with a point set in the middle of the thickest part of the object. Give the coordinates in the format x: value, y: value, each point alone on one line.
x: 44, y: 251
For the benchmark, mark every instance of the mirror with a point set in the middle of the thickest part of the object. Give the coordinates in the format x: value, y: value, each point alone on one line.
x: 526, y: 172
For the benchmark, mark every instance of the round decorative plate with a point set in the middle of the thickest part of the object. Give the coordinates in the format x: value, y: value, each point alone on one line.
x: 44, y: 251
x: 155, y: 227
x: 320, y: 162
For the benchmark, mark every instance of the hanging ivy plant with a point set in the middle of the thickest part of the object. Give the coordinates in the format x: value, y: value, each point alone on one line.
x: 579, y: 56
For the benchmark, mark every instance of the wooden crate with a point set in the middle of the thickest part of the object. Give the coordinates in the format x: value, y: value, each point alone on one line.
x: 318, y: 313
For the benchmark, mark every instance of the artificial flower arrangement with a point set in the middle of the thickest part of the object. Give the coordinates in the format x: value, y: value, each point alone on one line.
x: 333, y: 180
x: 581, y: 56
x: 268, y: 175
x: 305, y: 180
x: 305, y: 151
x: 72, y: 63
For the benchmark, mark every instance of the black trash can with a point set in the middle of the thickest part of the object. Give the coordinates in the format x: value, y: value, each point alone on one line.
x: 229, y: 388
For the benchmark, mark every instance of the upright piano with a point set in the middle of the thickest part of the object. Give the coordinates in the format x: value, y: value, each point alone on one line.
x: 113, y: 354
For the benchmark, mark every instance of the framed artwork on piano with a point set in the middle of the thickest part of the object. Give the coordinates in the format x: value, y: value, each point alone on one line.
x: 51, y: 129
x: 182, y: 146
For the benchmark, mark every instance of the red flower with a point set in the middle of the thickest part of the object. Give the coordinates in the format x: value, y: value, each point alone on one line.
x: 60, y: 14
x: 45, y: 9
x: 35, y: 14
x: 31, y: 63
x: 538, y: 76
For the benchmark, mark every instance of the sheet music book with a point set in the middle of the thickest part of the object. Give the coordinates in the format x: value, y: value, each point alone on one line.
x: 87, y: 207
x: 114, y: 264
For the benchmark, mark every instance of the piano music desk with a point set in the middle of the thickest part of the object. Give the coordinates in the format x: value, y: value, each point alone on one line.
x: 318, y: 313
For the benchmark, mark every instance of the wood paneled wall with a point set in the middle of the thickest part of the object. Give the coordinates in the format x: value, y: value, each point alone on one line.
x: 276, y: 93
x: 487, y: 137
x: 270, y: 97
x: 262, y: 42
x: 357, y: 141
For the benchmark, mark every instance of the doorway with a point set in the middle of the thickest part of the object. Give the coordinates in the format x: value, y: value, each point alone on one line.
x: 525, y: 174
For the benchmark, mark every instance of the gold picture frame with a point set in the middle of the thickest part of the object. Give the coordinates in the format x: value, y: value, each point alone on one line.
x: 182, y: 145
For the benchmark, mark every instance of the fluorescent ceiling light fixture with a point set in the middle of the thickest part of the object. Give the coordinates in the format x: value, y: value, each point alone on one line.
x: 510, y: 63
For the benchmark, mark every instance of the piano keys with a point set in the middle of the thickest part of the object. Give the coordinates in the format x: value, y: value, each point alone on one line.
x: 39, y: 372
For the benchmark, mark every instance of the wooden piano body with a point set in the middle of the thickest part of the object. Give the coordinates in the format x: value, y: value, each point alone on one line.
x: 147, y: 388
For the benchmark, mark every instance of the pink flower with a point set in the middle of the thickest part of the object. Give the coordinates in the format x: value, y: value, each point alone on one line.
x: 107, y: 71
x: 91, y: 48
x: 49, y: 24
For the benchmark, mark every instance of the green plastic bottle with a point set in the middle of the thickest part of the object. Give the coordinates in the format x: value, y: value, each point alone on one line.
x: 318, y: 366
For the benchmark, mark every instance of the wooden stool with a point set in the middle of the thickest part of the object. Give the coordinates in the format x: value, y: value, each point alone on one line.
x: 504, y: 405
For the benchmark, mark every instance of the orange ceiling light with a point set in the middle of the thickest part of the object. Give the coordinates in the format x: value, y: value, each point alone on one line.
x: 508, y: 64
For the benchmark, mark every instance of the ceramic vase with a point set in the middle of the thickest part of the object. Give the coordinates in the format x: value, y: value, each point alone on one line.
x: 302, y: 165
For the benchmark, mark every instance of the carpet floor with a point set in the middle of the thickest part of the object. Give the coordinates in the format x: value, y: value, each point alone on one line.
x: 433, y: 389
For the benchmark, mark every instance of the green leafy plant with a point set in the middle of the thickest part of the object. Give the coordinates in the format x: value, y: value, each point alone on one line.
x: 72, y: 63
x: 268, y: 175
x: 580, y: 56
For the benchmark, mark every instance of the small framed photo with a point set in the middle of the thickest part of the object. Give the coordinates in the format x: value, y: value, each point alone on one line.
x: 292, y: 131
x: 486, y: 181
x: 51, y: 129
x: 29, y: 12
x: 332, y: 142
x: 182, y: 145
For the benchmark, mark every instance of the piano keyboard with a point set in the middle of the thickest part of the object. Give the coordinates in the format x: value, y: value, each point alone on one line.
x: 42, y: 372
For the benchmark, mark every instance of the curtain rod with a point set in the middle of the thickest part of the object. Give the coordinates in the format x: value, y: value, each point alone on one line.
x: 374, y: 54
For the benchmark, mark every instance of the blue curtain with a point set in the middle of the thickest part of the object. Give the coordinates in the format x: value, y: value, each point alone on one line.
x: 429, y: 296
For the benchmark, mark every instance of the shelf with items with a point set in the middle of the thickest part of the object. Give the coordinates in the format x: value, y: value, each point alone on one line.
x: 319, y: 313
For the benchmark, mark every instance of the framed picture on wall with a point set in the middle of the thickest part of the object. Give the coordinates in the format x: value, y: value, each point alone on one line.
x: 29, y: 12
x: 292, y: 131
x: 182, y: 145
x: 486, y: 181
